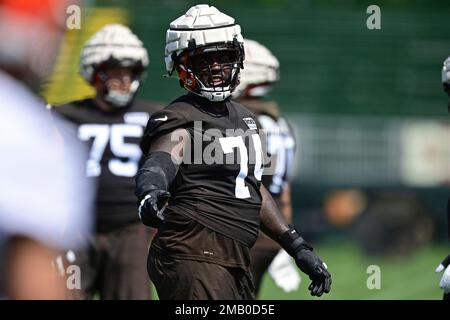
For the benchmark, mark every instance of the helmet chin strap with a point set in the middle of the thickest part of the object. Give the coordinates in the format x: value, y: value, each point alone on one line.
x: 120, y: 99
x: 214, y: 96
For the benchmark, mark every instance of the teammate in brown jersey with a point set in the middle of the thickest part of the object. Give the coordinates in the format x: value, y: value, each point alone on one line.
x: 112, y: 124
x: 200, y: 183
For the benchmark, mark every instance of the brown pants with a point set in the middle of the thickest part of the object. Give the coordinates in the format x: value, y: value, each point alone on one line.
x: 177, y: 279
x: 115, y: 265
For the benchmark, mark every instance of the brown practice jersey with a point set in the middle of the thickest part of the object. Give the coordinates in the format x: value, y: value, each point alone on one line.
x: 213, y: 213
x: 114, y: 155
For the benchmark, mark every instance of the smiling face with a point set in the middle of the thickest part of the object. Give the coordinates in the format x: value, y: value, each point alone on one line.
x: 214, y: 68
x: 211, y: 71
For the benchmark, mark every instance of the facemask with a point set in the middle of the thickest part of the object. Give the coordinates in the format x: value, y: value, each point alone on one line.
x: 121, y: 99
x: 259, y: 91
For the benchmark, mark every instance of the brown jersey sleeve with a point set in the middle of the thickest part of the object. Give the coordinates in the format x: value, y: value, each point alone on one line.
x: 162, y: 123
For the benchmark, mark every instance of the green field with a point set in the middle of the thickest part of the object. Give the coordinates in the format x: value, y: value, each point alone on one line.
x: 408, y: 278
x: 412, y: 277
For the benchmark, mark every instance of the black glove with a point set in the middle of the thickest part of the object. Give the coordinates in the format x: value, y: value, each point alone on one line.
x: 152, y: 206
x: 317, y: 271
x: 307, y: 261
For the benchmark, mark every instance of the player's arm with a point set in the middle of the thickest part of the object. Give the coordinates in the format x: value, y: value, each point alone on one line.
x: 157, y: 174
x: 286, y: 204
x: 275, y: 225
x: 29, y: 274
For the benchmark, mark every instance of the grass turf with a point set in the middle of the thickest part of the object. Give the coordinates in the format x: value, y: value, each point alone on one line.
x: 411, y: 277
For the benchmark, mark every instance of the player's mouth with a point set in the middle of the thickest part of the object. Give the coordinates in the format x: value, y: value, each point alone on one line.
x: 216, y: 81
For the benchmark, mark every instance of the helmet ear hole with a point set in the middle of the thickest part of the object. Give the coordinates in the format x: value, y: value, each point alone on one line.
x: 191, y: 82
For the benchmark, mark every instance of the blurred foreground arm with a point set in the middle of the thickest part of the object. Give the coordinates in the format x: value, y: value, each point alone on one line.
x: 29, y: 272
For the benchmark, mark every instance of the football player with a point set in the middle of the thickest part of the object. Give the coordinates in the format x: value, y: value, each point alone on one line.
x: 44, y: 206
x: 113, y: 61
x: 261, y: 71
x: 200, y: 184
x: 445, y: 264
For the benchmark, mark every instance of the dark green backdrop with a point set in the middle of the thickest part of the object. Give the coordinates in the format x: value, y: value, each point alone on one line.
x: 330, y: 61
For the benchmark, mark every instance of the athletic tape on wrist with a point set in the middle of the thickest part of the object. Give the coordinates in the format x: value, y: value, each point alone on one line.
x: 292, y: 242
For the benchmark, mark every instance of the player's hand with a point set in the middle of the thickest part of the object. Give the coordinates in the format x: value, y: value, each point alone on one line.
x: 283, y: 271
x: 445, y: 280
x: 317, y: 271
x: 152, y: 206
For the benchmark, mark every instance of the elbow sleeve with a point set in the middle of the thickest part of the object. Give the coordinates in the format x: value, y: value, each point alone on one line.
x: 157, y: 172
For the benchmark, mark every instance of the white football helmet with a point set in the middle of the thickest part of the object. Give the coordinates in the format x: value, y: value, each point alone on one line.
x: 261, y: 70
x: 205, y: 47
x: 114, y: 46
